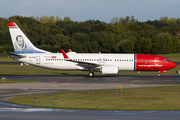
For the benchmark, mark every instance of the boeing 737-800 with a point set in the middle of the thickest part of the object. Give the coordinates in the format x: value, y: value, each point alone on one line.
x: 26, y: 52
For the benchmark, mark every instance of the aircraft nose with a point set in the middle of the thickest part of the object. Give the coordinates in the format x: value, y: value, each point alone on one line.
x: 173, y: 64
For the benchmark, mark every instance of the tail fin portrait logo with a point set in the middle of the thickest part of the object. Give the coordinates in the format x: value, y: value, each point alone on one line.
x: 20, y: 43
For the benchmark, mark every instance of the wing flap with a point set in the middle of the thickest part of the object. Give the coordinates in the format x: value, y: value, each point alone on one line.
x: 85, y: 64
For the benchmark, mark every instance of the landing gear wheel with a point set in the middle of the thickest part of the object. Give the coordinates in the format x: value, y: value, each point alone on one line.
x: 91, y: 74
x: 158, y: 74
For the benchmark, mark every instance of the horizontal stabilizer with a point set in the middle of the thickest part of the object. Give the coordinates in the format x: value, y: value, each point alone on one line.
x: 19, y: 55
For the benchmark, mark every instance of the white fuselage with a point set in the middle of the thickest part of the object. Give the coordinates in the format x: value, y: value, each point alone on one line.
x: 57, y: 61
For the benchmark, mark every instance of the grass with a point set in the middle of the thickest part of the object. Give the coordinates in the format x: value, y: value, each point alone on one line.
x: 15, y: 81
x: 156, y: 98
x: 7, y: 59
x: 33, y: 70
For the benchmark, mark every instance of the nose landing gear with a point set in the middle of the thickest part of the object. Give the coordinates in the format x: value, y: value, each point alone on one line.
x: 161, y: 72
x: 158, y: 74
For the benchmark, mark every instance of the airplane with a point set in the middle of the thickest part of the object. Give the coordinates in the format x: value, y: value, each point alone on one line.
x: 105, y: 63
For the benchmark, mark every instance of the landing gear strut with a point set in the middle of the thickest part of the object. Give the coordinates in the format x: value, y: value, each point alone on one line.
x: 91, y: 74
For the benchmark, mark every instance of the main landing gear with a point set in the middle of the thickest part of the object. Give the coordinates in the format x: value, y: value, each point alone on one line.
x: 91, y: 74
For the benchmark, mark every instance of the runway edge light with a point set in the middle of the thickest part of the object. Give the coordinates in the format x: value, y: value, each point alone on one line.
x: 117, y: 88
x: 121, y: 88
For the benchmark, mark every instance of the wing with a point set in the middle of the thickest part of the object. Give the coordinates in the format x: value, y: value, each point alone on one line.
x: 86, y: 65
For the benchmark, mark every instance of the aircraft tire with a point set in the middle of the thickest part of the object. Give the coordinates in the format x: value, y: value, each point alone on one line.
x: 158, y: 74
x: 91, y: 74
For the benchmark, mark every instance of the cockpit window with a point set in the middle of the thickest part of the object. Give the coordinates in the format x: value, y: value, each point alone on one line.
x: 166, y: 60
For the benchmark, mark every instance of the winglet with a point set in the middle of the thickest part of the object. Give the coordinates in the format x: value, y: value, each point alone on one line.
x: 69, y: 50
x: 64, y: 54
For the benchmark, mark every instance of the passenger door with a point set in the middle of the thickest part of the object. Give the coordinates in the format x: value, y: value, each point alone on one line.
x: 156, y: 60
x: 38, y: 59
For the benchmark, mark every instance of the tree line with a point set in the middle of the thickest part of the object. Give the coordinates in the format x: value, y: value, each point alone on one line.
x: 121, y: 35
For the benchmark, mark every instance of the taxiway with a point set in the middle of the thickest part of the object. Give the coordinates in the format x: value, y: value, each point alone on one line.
x: 51, y: 84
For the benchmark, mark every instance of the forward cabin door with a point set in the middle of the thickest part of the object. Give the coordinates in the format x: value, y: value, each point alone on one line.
x: 38, y: 59
x: 156, y: 60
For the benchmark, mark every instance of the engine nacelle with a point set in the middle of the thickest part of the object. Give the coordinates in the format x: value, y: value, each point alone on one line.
x: 109, y: 70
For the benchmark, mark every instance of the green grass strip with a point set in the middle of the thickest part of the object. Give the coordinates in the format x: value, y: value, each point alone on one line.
x: 155, y: 98
x: 15, y: 81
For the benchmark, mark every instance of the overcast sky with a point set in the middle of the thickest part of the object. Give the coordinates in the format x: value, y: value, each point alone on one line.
x: 82, y: 10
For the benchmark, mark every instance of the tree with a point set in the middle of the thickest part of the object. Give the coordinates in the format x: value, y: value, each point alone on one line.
x: 118, y: 28
x: 58, y: 19
x: 52, y: 19
x: 37, y: 18
x: 163, y: 44
x: 164, y: 19
x: 126, y: 46
x: 66, y: 19
x: 127, y: 20
x: 143, y: 45
x: 114, y: 20
x: 80, y: 37
x: 121, y: 20
x: 133, y: 20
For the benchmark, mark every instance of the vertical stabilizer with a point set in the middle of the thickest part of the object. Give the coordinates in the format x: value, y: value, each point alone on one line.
x: 20, y: 42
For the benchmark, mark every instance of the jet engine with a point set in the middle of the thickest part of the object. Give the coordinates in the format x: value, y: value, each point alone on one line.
x: 109, y: 70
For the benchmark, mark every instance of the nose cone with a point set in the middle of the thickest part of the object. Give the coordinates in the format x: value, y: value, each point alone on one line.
x: 173, y: 64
